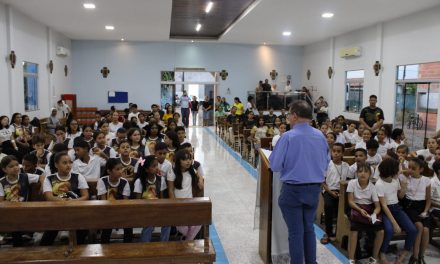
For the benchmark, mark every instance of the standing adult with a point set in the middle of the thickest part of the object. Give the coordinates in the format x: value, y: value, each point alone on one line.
x: 207, y: 110
x: 321, y: 108
x: 301, y: 156
x: 267, y: 91
x: 194, y: 109
x: 184, y: 108
x: 63, y: 109
x: 372, y: 116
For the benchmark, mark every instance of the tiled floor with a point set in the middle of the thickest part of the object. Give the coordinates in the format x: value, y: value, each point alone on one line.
x: 232, y: 190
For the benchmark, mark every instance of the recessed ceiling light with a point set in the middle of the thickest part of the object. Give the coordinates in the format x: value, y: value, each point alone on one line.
x: 192, y: 41
x: 122, y: 39
x: 89, y: 6
x: 327, y: 15
x: 198, y: 27
x: 209, y: 7
x: 264, y: 43
x: 109, y: 27
x: 287, y: 33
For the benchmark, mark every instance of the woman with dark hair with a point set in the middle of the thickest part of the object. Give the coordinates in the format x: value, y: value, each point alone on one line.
x: 239, y: 105
x: 7, y: 141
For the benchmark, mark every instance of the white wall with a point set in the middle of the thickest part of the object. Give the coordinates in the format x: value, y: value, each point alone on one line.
x: 135, y: 67
x: 411, y: 39
x: 36, y: 43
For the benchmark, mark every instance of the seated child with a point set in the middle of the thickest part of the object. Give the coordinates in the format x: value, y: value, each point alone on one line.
x: 275, y: 138
x: 373, y: 158
x: 101, y: 149
x: 350, y: 134
x: 394, y: 218
x: 384, y: 145
x: 88, y: 166
x: 435, y: 190
x: 60, y: 133
x: 398, y: 137
x: 337, y: 129
x: 337, y: 171
x: 331, y: 139
x: 402, y: 152
x: 129, y: 164
x: 42, y: 154
x: 15, y: 187
x: 121, y: 134
x: 64, y: 185
x: 87, y: 135
x: 366, y: 135
x: 180, y: 185
x: 30, y: 165
x: 365, y: 208
x: 416, y: 204
x: 134, y: 138
x: 428, y: 153
x: 148, y: 186
x: 181, y: 135
x: 165, y: 166
x: 360, y: 156
x: 114, y: 187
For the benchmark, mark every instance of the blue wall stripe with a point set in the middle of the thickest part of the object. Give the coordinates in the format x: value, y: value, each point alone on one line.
x: 253, y: 172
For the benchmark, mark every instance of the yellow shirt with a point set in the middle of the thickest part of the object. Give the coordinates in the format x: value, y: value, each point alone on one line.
x: 167, y: 116
x: 239, y: 107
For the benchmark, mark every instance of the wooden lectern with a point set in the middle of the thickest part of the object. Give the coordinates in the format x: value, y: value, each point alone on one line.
x: 265, y: 228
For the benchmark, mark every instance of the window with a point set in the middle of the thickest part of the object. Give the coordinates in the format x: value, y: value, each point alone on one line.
x: 30, y: 72
x: 354, y: 89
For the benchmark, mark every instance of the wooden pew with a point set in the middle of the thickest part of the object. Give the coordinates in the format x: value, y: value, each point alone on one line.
x: 79, y: 215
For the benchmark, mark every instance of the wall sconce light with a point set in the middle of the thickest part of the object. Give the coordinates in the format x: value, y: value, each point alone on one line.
x: 309, y: 73
x: 273, y: 75
x: 224, y: 74
x: 50, y: 66
x: 12, y: 59
x: 377, y: 67
x: 105, y: 72
x: 330, y: 72
x: 66, y: 70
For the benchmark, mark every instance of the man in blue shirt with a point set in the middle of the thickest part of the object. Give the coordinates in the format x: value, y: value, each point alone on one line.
x: 301, y: 156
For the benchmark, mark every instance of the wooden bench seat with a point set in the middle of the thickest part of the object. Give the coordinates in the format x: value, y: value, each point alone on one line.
x: 170, y: 252
x: 92, y: 215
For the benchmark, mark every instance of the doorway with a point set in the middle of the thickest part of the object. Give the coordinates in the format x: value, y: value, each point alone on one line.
x: 417, y: 103
x: 195, y: 83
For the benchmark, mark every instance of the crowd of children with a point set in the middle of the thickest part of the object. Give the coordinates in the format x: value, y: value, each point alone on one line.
x: 133, y: 159
x: 389, y: 189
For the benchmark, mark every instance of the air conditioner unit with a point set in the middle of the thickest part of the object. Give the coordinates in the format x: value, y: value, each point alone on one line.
x: 62, y: 51
x: 350, y: 52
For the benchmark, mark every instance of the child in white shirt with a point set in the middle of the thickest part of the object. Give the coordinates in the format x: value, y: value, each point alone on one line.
x: 416, y: 204
x: 86, y: 165
x: 435, y: 190
x: 337, y: 171
x: 384, y: 146
x: 394, y: 218
x: 350, y: 134
x: 366, y: 135
x: 337, y: 129
x: 362, y: 198
x: 429, y: 152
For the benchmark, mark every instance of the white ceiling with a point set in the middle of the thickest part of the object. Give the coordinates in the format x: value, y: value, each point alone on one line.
x: 149, y: 20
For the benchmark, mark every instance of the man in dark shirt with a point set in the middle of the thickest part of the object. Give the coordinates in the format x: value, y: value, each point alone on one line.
x: 372, y: 116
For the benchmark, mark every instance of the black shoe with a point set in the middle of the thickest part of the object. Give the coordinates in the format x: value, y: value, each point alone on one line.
x: 422, y: 259
x: 413, y: 260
